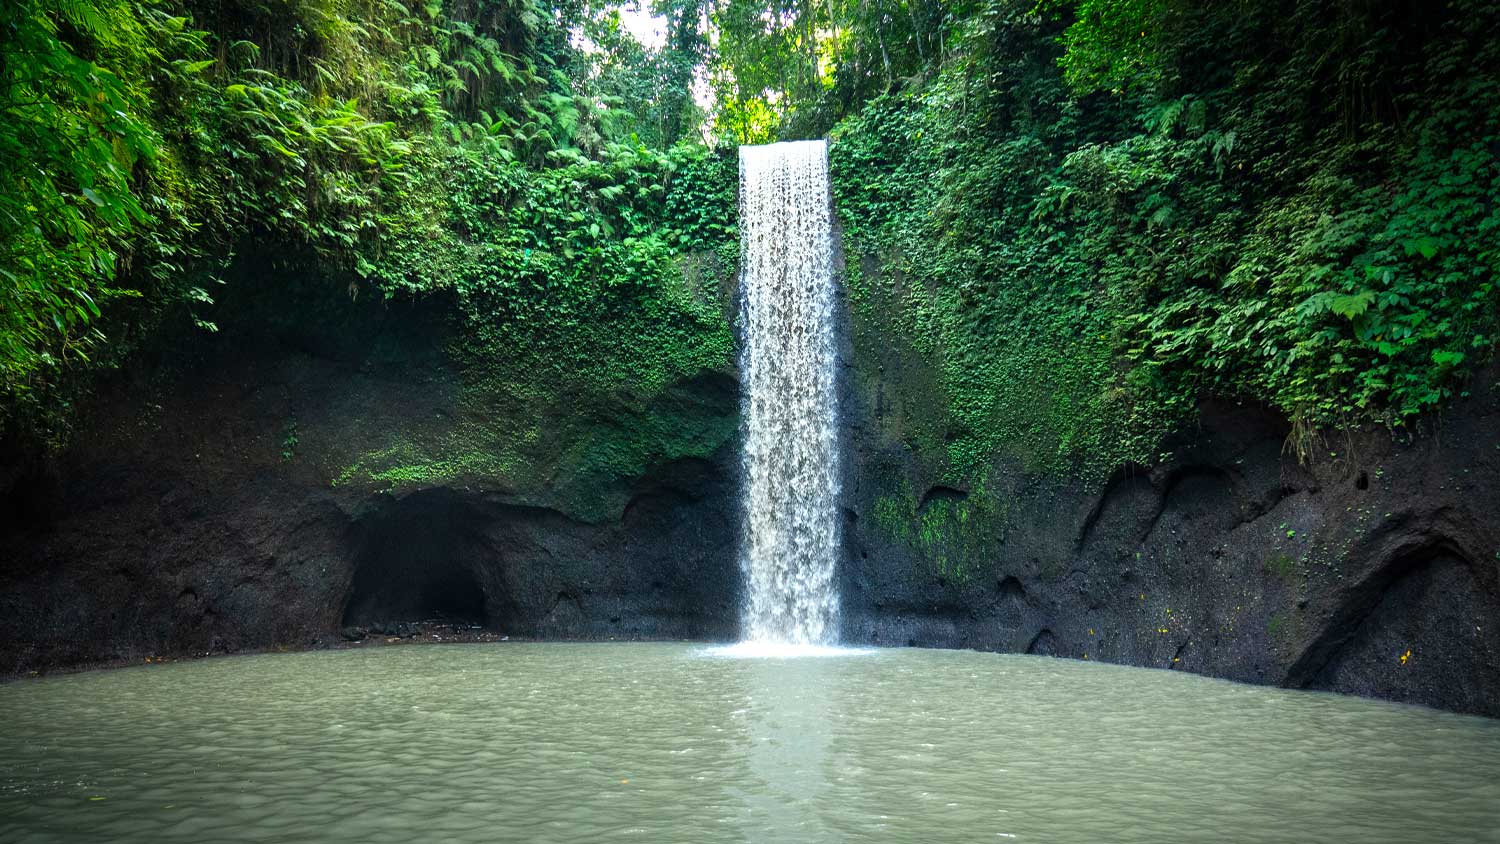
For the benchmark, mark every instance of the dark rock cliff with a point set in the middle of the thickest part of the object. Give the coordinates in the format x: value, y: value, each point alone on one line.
x: 1375, y: 570
x: 210, y: 506
x: 222, y: 498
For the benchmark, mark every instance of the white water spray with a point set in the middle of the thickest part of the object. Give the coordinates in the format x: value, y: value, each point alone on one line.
x: 791, y: 459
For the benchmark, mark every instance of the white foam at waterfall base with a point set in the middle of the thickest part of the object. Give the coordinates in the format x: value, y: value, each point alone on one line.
x: 781, y: 650
x: 791, y: 462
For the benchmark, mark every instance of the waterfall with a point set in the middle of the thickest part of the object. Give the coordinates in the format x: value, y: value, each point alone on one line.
x: 791, y: 460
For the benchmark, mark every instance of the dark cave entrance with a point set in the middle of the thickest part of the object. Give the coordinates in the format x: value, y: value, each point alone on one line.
x: 416, y: 562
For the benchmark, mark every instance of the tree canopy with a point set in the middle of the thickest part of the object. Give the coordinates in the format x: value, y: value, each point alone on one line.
x: 1087, y: 214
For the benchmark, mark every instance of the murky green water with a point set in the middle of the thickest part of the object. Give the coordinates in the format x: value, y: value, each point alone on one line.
x: 661, y: 743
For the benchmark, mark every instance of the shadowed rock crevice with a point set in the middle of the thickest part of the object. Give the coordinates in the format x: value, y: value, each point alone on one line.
x: 1127, y: 498
x: 1011, y: 590
x: 416, y: 561
x: 1044, y: 643
x: 1425, y: 616
x: 940, y: 493
x: 1202, y: 494
x: 681, y: 482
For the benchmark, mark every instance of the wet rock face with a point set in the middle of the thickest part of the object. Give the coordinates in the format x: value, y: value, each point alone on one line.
x: 1432, y: 611
x: 178, y: 526
x: 261, y: 563
x: 188, y: 520
x: 1375, y: 572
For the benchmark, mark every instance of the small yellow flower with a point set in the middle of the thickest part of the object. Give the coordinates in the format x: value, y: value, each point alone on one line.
x: 1406, y: 656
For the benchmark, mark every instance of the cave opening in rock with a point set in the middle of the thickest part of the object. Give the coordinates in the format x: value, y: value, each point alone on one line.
x: 417, y: 562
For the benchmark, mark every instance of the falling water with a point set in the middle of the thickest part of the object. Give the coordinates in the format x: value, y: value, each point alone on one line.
x: 791, y: 458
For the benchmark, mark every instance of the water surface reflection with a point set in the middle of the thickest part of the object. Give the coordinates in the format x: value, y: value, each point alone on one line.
x: 665, y: 743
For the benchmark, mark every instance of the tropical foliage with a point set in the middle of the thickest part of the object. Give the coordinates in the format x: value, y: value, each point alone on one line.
x: 1082, y: 216
x: 395, y: 148
x: 1096, y: 215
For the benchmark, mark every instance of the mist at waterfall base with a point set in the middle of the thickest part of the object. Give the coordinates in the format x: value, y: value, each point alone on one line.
x: 790, y: 539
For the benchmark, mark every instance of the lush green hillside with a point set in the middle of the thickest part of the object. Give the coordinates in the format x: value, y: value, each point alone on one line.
x: 467, y: 150
x: 1075, y: 219
x: 1086, y: 229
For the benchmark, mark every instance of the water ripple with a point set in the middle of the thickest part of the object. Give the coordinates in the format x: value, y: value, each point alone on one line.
x: 662, y: 743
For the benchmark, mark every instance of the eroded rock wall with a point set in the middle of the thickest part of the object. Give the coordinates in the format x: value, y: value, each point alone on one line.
x: 1374, y: 569
x: 269, y: 493
x: 267, y: 488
